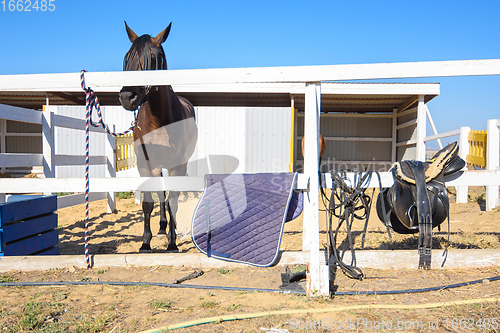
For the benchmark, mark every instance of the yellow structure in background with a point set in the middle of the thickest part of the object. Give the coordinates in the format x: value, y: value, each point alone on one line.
x: 125, y: 155
x: 477, y: 149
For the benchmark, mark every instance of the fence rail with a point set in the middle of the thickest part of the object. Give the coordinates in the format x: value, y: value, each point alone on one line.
x: 48, y: 159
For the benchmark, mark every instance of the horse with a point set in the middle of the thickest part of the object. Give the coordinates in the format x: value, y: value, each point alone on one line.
x: 322, y: 147
x: 165, y: 133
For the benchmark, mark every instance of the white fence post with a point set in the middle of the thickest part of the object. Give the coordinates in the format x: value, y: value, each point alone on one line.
x: 111, y: 168
x: 48, y: 147
x: 3, y: 132
x: 421, y: 129
x: 463, y: 191
x: 318, y: 280
x: 492, y: 161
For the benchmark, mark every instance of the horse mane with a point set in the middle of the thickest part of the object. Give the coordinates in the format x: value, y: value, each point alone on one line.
x: 143, y: 48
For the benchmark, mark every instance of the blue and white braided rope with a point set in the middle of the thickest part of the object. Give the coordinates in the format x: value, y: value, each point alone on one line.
x: 91, y: 102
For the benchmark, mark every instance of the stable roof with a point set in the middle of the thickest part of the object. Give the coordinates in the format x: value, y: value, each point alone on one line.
x: 336, y: 97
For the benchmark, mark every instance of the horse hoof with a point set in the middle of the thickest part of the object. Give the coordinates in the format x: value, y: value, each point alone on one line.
x: 145, y: 249
x: 172, y: 248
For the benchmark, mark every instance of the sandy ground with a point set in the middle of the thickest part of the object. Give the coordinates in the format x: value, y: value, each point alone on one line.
x: 121, y: 232
x: 108, y: 308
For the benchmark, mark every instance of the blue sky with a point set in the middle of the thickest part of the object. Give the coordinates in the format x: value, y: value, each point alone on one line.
x: 222, y: 34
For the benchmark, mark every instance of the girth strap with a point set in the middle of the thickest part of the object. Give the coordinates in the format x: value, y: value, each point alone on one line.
x: 424, y: 214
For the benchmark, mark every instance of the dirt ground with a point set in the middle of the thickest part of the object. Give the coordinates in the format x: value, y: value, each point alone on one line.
x: 112, y: 308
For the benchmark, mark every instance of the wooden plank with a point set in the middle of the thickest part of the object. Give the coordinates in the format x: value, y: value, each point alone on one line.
x: 74, y: 123
x: 29, y: 227
x: 20, y: 114
x: 49, y: 252
x: 65, y: 81
x: 476, y: 161
x: 124, y: 140
x: 24, y: 207
x: 31, y: 245
x: 296, y: 88
x: 127, y: 163
x: 34, y: 185
x: 442, y: 135
x: 352, y: 138
x: 408, y: 103
x: 10, y: 160
x: 77, y: 199
x: 37, y: 185
x: 79, y: 160
x: 478, y: 136
x: 406, y: 124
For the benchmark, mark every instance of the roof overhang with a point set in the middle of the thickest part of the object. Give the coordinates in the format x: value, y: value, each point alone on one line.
x: 335, y: 97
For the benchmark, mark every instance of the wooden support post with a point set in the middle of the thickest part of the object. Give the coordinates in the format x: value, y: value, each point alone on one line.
x: 492, y: 161
x: 431, y: 122
x: 394, y: 135
x: 421, y: 129
x: 48, y: 147
x: 3, y: 133
x: 318, y: 283
x: 111, y: 168
x: 463, y: 191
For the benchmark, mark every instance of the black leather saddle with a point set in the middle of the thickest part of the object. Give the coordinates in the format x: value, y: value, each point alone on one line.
x: 418, y: 200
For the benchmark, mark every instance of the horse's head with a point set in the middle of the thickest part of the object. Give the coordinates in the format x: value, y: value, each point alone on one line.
x: 146, y: 53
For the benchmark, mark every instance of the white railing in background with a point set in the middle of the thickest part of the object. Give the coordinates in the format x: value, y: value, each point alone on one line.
x: 492, y: 161
x: 49, y: 160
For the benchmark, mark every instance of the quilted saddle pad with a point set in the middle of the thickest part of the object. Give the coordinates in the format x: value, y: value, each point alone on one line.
x: 240, y: 217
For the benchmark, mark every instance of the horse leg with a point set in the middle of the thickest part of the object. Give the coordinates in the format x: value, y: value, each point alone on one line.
x: 172, y: 206
x: 147, y: 208
x: 162, y: 233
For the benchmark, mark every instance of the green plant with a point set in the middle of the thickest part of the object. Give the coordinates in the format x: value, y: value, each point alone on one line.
x: 94, y: 324
x: 101, y: 271
x: 59, y: 296
x: 208, y: 304
x: 61, y: 194
x: 124, y: 195
x: 155, y: 304
x: 233, y: 307
x: 223, y: 271
x: 32, y: 316
x: 6, y: 279
x: 299, y: 268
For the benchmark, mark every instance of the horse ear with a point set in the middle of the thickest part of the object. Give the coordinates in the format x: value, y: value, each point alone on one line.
x: 131, y: 34
x: 162, y: 36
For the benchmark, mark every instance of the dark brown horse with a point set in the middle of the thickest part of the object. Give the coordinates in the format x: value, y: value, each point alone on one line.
x: 165, y: 135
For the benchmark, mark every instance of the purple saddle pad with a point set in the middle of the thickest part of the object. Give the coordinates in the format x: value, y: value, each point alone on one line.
x: 240, y: 217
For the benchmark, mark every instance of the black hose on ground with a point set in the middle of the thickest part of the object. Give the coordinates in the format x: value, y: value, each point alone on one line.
x: 193, y: 286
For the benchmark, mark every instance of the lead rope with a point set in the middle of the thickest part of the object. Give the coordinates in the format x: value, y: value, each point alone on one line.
x: 91, y: 102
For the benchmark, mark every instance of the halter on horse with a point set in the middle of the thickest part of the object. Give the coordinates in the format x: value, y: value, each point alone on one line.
x: 165, y: 135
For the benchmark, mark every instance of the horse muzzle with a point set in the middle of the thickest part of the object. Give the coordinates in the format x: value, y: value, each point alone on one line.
x: 130, y: 98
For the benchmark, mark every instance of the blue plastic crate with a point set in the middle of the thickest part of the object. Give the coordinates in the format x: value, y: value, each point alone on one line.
x: 28, y: 225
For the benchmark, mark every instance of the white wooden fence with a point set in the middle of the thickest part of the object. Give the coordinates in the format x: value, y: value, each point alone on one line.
x: 318, y: 279
x: 49, y: 159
